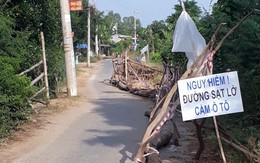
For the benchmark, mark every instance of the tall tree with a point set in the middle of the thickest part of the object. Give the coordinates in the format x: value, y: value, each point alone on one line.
x: 195, y: 12
x: 191, y: 7
x: 241, y: 52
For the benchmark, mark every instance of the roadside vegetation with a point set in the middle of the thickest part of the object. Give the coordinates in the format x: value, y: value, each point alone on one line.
x: 22, y: 21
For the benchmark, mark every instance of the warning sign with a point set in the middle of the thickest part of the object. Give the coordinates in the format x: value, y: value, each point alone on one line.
x: 211, y: 95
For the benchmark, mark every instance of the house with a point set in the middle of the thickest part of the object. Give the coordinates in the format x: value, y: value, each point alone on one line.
x: 117, y: 38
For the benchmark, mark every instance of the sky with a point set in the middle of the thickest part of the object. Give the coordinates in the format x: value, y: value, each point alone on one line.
x: 147, y: 10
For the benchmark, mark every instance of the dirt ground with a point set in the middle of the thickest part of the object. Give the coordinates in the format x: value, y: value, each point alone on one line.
x: 44, y: 123
x: 188, y: 145
x: 44, y: 126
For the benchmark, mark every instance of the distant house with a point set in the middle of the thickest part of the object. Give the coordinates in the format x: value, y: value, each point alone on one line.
x: 104, y: 49
x: 117, y: 38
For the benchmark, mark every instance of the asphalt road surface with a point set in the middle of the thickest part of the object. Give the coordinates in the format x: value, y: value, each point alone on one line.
x: 109, y: 130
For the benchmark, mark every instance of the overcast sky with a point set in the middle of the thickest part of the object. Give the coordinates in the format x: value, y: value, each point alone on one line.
x: 148, y: 10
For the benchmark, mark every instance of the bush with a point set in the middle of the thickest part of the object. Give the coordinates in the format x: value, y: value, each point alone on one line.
x: 95, y: 59
x: 156, y: 57
x: 14, y: 93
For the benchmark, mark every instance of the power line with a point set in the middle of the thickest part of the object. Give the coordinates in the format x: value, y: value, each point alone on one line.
x: 127, y: 2
x: 125, y: 5
x: 119, y: 4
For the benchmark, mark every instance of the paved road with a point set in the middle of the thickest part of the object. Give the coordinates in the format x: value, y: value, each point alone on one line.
x: 109, y: 132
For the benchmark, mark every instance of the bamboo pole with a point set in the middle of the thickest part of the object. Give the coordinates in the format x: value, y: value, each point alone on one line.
x: 146, y: 138
x: 126, y: 71
x: 210, y: 71
x: 187, y: 74
x: 37, y: 93
x: 219, y: 140
x: 37, y: 79
x: 31, y: 68
x: 246, y: 152
x: 154, y: 110
x: 45, y: 67
x: 146, y: 67
x: 148, y: 54
x: 130, y: 67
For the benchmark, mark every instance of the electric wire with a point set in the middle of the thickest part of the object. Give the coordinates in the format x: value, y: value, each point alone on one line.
x: 119, y: 4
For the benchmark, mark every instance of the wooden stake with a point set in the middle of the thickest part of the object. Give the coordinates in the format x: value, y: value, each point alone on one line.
x: 45, y: 67
x: 148, y: 54
x: 219, y: 140
x: 126, y: 66
x: 245, y: 151
x: 130, y: 67
x: 210, y: 72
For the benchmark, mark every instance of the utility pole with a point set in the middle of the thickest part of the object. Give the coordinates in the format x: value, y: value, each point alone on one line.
x: 135, y: 32
x: 96, y: 30
x: 151, y: 34
x: 68, y: 49
x: 135, y: 37
x: 88, y: 54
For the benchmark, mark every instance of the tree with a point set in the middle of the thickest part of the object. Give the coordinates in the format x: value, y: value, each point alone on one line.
x: 14, y: 90
x: 191, y: 7
x: 241, y: 53
x: 106, y: 25
x: 20, y: 49
x: 195, y: 12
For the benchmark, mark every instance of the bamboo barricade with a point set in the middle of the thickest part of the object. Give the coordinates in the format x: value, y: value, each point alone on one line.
x: 191, y: 72
x: 134, y: 77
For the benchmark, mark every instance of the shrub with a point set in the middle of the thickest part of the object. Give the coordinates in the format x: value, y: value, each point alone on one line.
x: 156, y: 57
x: 14, y: 93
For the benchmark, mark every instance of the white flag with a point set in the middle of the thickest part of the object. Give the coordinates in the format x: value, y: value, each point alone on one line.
x: 143, y: 59
x: 145, y: 49
x: 187, y: 38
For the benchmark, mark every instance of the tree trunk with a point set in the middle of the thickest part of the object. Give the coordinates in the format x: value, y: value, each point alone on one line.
x: 200, y: 137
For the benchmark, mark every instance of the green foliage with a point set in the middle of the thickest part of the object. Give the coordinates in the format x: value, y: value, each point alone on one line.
x: 241, y: 52
x: 14, y: 94
x: 79, y: 24
x: 156, y: 57
x: 22, y: 39
x: 191, y: 7
x: 194, y: 11
x: 20, y: 27
x: 127, y: 26
x: 121, y: 46
x: 22, y: 21
x: 50, y: 24
x: 95, y: 59
x: 257, y: 151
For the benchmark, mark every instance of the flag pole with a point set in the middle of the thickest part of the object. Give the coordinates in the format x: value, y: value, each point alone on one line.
x: 148, y: 53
